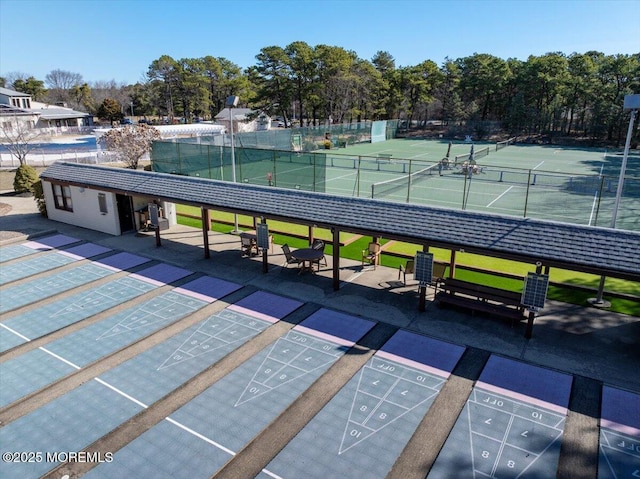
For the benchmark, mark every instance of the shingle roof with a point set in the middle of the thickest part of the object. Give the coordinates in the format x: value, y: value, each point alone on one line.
x: 582, y: 248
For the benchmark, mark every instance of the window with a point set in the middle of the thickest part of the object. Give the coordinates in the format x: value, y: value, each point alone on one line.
x: 62, y: 197
x: 102, y: 203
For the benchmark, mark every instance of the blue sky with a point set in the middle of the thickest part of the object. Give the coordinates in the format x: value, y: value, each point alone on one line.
x: 106, y: 40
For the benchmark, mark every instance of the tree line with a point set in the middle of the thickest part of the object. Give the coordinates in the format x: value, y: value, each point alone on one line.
x: 580, y: 94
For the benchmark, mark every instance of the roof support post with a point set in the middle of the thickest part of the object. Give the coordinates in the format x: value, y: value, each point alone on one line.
x: 265, y: 258
x: 336, y: 258
x: 311, y: 234
x: 206, y: 226
x: 422, y: 303
x: 158, y: 242
x: 452, y: 264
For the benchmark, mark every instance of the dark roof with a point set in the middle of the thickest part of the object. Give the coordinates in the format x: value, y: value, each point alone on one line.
x: 582, y: 248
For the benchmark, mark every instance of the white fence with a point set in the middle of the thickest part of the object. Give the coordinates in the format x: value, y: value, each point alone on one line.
x: 36, y: 158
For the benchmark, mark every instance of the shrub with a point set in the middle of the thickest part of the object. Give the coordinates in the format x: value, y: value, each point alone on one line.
x: 26, y: 176
x: 38, y: 194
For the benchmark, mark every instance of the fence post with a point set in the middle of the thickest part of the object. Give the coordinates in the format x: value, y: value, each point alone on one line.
x: 595, y: 219
x: 408, y: 181
x: 526, y: 196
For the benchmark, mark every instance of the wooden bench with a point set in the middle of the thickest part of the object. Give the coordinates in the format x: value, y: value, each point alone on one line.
x: 478, y: 297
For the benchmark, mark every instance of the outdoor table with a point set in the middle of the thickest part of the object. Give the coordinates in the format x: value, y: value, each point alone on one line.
x: 307, y: 256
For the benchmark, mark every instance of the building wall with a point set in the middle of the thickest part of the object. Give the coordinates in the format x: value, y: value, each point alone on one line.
x: 86, y: 209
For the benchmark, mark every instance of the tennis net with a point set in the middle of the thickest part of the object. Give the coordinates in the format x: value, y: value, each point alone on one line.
x: 384, y: 188
x: 481, y: 153
x: 503, y: 144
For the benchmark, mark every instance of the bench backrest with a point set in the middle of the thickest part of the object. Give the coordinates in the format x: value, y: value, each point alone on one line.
x: 511, y: 297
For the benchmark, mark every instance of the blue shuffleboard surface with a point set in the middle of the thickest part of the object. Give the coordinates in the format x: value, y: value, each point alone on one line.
x: 364, y: 428
x: 619, y: 434
x: 511, y: 425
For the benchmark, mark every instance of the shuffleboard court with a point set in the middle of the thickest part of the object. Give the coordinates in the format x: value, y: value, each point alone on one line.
x: 31, y: 266
x: 219, y: 422
x: 510, y: 427
x: 47, y: 243
x: 619, y: 435
x: 154, y: 373
x: 35, y: 290
x: 68, y: 423
x: 364, y: 428
x: 44, y: 365
x: 58, y: 314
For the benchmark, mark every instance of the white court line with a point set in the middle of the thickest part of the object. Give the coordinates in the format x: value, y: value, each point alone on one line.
x: 60, y: 358
x: 200, y: 436
x: 122, y: 393
x: 538, y: 165
x: 501, y: 195
x: 595, y: 196
x: 14, y: 332
x: 269, y: 473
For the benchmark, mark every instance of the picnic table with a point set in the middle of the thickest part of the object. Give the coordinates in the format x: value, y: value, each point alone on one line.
x: 307, y: 256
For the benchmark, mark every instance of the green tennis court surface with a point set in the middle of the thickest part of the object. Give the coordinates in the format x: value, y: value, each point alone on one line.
x: 575, y: 185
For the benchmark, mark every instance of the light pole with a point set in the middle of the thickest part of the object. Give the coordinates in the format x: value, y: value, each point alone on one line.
x: 631, y: 102
x: 231, y: 102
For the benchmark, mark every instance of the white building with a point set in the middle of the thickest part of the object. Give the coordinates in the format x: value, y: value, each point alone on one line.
x: 18, y: 109
x: 98, y: 210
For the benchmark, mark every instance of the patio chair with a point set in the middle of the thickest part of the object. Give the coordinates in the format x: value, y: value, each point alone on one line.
x: 439, y: 270
x: 289, y: 259
x: 319, y: 245
x: 405, y: 269
x: 371, y: 254
x: 248, y: 246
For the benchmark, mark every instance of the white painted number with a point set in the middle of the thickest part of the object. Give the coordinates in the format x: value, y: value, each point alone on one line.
x: 511, y: 464
x: 485, y: 454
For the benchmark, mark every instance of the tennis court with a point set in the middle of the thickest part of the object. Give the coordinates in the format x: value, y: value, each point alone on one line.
x: 575, y: 185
